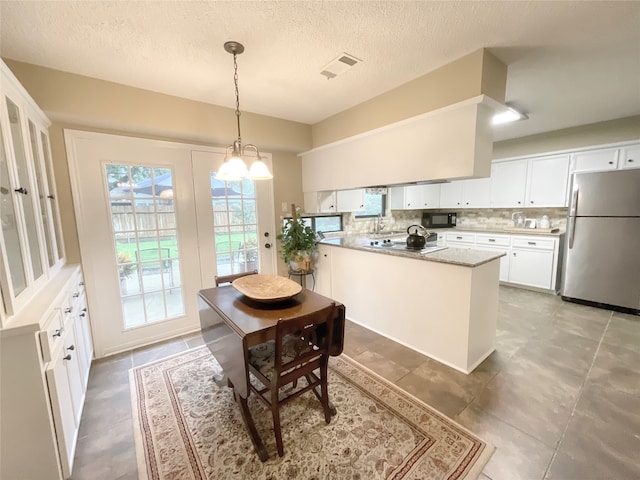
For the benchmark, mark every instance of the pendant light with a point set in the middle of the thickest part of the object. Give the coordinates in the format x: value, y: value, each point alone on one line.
x: 234, y: 167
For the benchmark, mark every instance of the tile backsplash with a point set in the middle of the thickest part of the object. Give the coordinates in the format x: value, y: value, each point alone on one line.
x: 399, y: 220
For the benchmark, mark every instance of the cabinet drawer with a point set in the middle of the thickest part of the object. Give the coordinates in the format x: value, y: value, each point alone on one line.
x: 467, y: 238
x: 493, y: 240
x: 534, y: 243
x: 51, y: 336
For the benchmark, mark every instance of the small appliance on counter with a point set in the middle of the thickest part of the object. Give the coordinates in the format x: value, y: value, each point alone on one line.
x: 439, y: 220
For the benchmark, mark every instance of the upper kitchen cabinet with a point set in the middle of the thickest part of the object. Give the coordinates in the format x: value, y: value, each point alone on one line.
x: 630, y: 157
x: 320, y: 202
x: 31, y: 242
x: 414, y: 197
x: 476, y: 193
x: 535, y: 182
x: 594, y: 160
x: 547, y: 179
x: 451, y: 195
x: 508, y: 181
x: 350, y: 200
x: 455, y: 141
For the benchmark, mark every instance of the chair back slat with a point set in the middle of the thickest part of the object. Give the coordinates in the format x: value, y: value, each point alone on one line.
x: 303, y: 340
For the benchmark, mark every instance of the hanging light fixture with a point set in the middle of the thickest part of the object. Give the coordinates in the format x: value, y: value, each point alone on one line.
x: 234, y: 167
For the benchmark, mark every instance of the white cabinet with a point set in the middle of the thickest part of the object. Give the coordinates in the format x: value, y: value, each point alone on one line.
x: 44, y: 365
x: 532, y: 262
x: 460, y: 239
x: 323, y: 271
x: 414, y: 197
x: 547, y: 180
x: 594, y: 160
x: 350, y: 200
x: 535, y: 182
x: 476, y: 193
x: 496, y: 243
x: 451, y: 195
x: 508, y: 181
x: 630, y: 157
x: 320, y: 202
x: 30, y: 236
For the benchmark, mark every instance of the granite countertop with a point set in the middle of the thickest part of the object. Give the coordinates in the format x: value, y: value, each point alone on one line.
x: 458, y: 256
x: 503, y: 231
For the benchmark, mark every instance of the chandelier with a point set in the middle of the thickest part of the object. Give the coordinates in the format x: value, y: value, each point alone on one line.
x: 234, y: 167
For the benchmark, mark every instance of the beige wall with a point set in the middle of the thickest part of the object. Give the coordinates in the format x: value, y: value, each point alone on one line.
x: 83, y: 103
x: 601, y: 133
x: 472, y: 75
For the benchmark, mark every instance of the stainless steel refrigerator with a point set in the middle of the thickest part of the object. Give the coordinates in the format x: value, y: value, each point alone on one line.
x: 602, y: 251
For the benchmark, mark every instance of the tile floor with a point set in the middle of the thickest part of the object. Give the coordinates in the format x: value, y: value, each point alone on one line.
x: 560, y: 397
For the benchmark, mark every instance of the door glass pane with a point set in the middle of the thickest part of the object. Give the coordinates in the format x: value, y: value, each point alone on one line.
x: 234, y: 226
x: 52, y: 201
x: 10, y: 227
x: 144, y: 231
x: 55, y: 218
x: 29, y: 207
x: 42, y: 191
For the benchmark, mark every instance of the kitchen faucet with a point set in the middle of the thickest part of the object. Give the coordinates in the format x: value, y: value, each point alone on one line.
x: 379, y: 224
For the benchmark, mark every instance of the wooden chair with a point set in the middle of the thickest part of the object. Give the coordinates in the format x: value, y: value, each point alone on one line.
x: 301, y: 346
x: 221, y: 279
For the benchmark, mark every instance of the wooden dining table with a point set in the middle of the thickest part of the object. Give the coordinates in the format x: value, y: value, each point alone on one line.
x: 231, y: 323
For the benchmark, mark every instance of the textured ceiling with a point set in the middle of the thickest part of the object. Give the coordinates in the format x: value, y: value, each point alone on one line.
x: 570, y: 63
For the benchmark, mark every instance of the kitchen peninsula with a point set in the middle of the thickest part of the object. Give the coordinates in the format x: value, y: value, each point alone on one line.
x: 443, y: 304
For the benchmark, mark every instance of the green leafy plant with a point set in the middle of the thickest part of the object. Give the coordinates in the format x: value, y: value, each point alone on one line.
x: 297, y: 242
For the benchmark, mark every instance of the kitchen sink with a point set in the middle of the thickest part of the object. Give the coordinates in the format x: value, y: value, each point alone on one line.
x: 388, y: 234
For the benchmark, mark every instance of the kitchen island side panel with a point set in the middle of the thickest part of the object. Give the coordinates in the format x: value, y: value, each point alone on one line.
x: 435, y: 308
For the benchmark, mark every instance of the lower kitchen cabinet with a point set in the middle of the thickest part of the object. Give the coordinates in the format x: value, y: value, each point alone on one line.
x: 323, y: 271
x: 45, y: 356
x: 530, y: 261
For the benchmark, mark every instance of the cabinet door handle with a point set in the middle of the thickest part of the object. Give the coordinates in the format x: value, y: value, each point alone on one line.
x: 531, y: 243
x: 67, y: 357
x: 81, y: 284
x: 58, y: 332
x: 51, y: 197
x: 21, y: 190
x: 83, y: 314
x: 68, y: 310
x: 72, y: 348
x: 76, y: 295
x: 630, y: 160
x: 610, y: 163
x: 84, y: 309
x: 514, y: 254
x: 531, y: 202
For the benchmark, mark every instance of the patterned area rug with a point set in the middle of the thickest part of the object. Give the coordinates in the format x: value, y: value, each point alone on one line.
x: 187, y: 427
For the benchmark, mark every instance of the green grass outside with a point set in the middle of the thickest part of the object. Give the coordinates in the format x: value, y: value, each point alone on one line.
x: 131, y: 248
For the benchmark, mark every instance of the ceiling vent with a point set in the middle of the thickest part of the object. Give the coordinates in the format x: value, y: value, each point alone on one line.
x: 339, y: 65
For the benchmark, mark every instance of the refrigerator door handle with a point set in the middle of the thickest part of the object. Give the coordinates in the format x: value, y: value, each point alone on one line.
x: 574, y: 200
x: 571, y: 229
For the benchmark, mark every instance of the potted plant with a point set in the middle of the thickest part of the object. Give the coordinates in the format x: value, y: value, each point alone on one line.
x: 297, y: 244
x: 125, y: 269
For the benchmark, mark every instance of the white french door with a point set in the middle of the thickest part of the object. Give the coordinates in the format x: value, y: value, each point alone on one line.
x: 235, y: 221
x: 145, y: 214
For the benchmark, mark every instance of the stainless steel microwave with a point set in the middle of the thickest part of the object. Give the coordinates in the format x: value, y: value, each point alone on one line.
x: 438, y: 220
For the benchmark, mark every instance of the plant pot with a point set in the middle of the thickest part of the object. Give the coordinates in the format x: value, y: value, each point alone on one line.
x: 301, y: 262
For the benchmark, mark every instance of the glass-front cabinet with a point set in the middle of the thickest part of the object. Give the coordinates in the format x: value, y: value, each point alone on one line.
x: 31, y: 246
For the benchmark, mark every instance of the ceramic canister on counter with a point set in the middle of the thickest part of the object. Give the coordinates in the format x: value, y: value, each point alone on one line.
x: 544, y: 222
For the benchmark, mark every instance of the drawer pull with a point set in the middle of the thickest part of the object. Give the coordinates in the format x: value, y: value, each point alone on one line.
x: 610, y: 163
x: 58, y: 332
x: 458, y: 238
x: 67, y: 357
x: 76, y: 295
x: 531, y: 243
x: 81, y: 284
x: 68, y: 310
x: 72, y: 348
x: 83, y: 314
x: 630, y: 160
x: 492, y: 239
x: 85, y: 308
